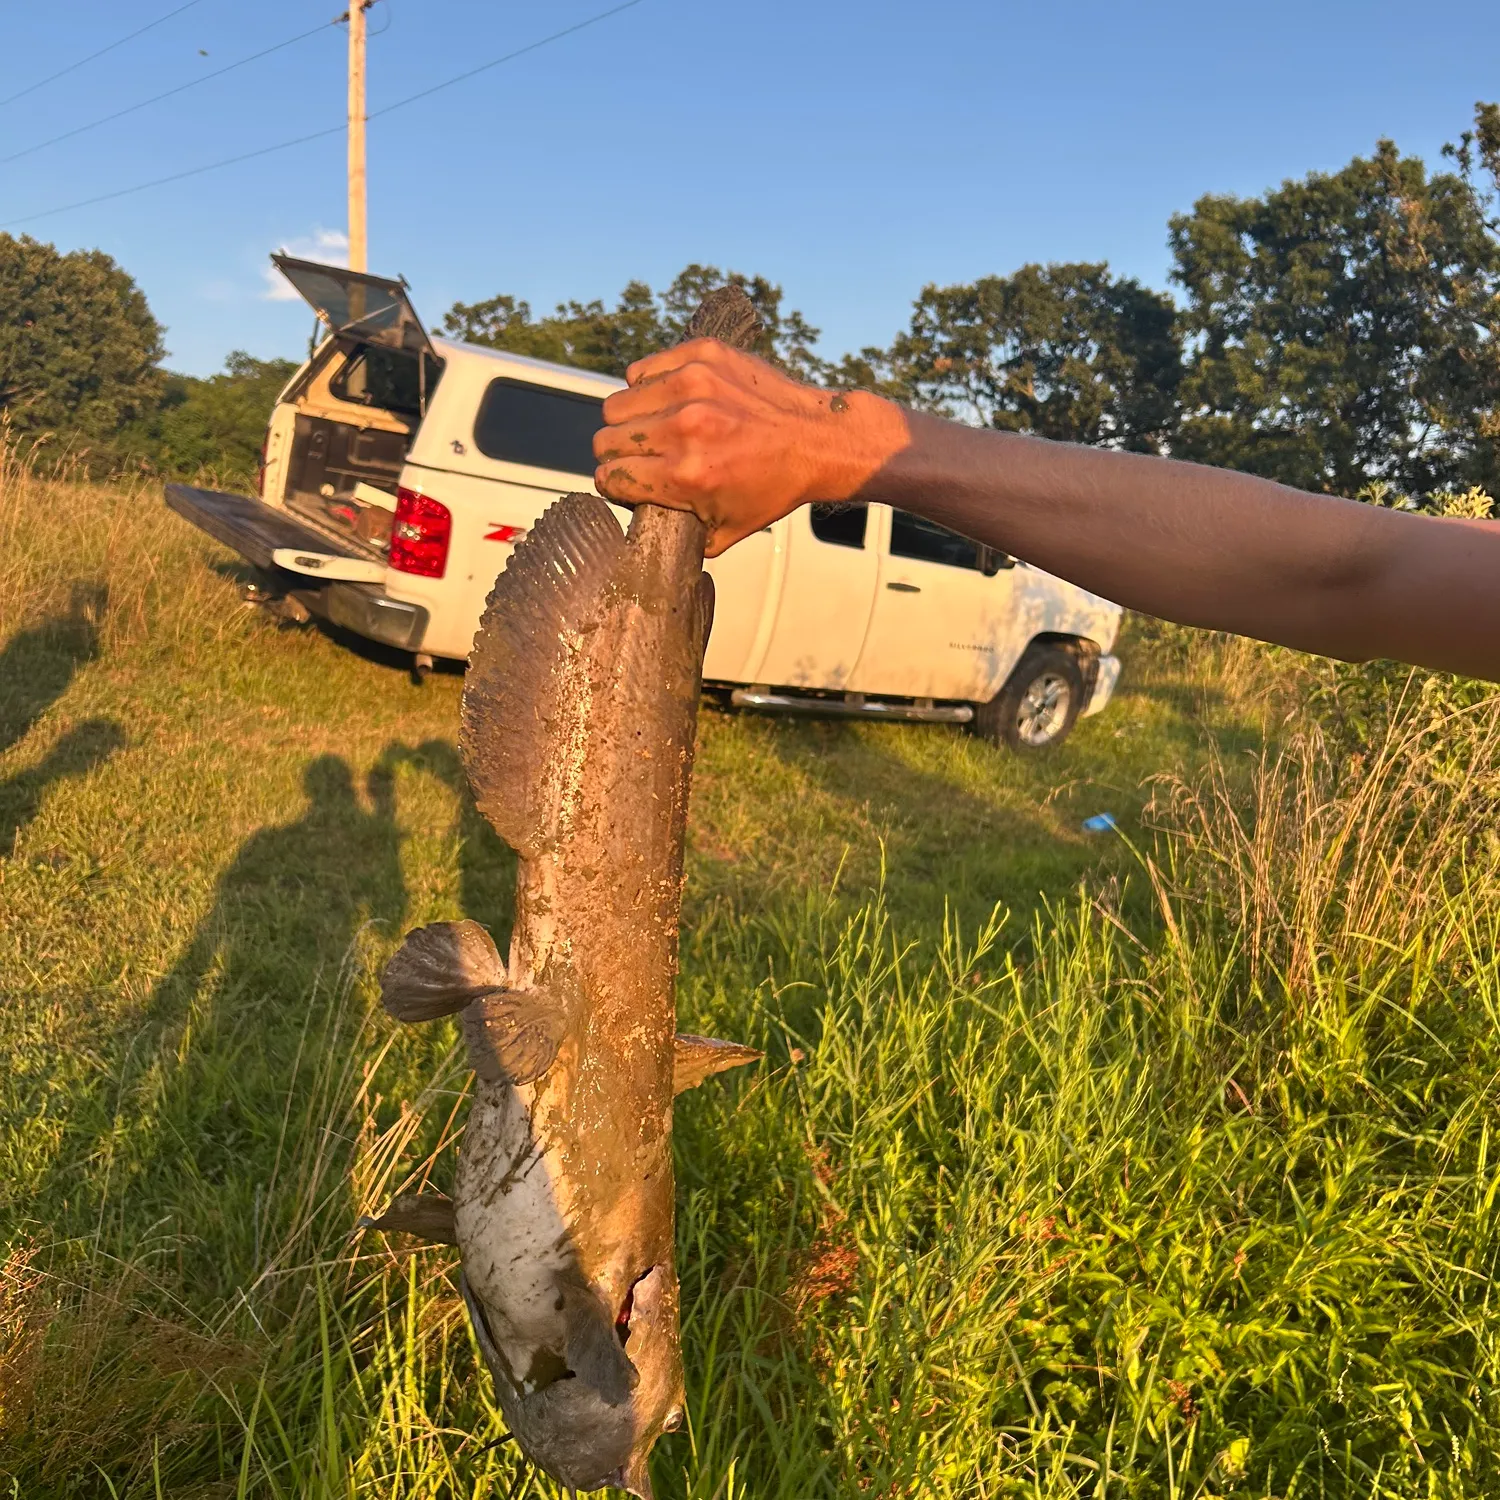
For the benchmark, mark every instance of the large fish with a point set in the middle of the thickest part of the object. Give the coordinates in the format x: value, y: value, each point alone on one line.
x: 579, y: 715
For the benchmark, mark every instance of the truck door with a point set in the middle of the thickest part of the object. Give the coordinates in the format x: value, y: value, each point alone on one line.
x: 941, y: 624
x: 744, y: 596
x: 825, y: 599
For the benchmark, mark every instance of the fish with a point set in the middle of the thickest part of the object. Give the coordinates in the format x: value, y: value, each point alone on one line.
x: 577, y: 736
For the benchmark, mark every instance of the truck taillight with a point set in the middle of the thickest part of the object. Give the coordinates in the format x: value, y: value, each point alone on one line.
x: 420, y: 535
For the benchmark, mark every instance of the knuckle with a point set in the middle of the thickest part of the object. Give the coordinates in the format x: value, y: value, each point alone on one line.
x: 698, y: 379
x: 695, y: 419
x: 691, y: 472
x: 641, y: 370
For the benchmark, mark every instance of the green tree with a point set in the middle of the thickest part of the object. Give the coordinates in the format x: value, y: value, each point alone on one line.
x: 1065, y: 351
x: 1345, y: 328
x: 582, y: 334
x: 78, y: 345
x: 592, y: 337
x: 218, y: 423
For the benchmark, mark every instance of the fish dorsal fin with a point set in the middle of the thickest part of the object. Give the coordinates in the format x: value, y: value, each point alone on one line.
x: 695, y: 1058
x: 522, y: 667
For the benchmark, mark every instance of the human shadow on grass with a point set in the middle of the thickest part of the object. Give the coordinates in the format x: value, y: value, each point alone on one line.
x: 201, y: 1079
x: 38, y: 664
x: 75, y: 754
x: 486, y: 864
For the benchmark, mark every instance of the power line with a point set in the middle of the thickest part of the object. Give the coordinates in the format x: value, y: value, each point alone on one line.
x: 213, y: 166
x: 316, y: 135
x: 31, y: 88
x: 181, y: 88
x: 556, y: 36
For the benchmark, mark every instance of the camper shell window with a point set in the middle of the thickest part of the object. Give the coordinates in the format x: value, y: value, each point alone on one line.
x: 389, y: 379
x: 538, y: 426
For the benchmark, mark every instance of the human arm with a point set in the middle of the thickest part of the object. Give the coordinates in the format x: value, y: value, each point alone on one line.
x: 707, y: 429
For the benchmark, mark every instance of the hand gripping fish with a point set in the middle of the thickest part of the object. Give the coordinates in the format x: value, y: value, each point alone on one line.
x: 578, y: 727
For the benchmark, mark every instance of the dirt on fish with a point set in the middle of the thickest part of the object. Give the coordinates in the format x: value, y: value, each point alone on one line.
x: 579, y: 722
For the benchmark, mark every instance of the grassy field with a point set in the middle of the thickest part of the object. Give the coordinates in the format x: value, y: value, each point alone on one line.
x: 1146, y: 1166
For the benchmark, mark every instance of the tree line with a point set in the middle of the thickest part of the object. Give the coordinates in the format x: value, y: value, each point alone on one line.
x: 1339, y: 333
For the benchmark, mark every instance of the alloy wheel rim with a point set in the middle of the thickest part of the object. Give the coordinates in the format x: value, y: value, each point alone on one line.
x: 1044, y: 709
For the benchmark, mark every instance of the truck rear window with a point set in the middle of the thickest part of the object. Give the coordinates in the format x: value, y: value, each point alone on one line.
x: 387, y: 378
x: 538, y: 426
x: 841, y: 524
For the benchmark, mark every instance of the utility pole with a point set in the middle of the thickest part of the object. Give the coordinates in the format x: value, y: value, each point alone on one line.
x: 358, y: 242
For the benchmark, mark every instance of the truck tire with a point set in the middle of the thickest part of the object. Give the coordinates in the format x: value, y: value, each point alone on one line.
x: 1038, y: 705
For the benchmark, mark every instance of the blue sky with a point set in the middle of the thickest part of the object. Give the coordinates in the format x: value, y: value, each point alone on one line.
x: 851, y: 152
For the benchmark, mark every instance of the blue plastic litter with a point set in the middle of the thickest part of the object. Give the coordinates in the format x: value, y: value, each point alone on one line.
x: 1100, y: 823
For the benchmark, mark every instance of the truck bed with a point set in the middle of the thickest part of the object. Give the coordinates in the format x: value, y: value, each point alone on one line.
x: 248, y: 526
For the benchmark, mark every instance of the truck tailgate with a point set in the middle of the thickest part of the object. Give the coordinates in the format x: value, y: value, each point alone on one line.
x: 250, y: 527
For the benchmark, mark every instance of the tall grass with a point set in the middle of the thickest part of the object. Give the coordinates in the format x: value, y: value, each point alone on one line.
x: 1178, y: 1183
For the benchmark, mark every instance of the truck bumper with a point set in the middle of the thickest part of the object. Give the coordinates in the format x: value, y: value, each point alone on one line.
x: 366, y: 611
x: 258, y: 531
x: 1105, y: 678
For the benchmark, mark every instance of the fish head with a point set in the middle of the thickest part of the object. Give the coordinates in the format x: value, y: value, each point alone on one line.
x: 590, y: 1415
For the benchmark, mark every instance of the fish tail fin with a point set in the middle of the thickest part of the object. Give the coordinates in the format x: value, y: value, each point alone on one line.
x: 549, y: 595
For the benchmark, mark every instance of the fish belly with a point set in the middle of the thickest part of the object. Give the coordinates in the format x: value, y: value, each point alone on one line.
x: 511, y: 1213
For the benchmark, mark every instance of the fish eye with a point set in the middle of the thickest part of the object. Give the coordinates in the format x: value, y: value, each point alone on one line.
x: 674, y: 1420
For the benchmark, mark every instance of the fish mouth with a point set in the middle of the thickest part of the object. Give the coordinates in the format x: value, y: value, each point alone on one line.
x: 633, y: 1479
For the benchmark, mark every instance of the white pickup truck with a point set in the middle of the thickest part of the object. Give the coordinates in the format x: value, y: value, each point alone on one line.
x: 400, y: 470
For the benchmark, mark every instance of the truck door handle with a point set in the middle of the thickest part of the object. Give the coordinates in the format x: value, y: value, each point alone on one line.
x: 904, y: 588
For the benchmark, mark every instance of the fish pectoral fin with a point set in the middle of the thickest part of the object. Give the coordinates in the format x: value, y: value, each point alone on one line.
x: 593, y: 1348
x: 440, y: 969
x: 513, y: 1035
x: 522, y: 695
x: 429, y: 1216
x: 695, y: 1058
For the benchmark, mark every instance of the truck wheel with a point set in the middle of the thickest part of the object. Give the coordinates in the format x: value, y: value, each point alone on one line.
x: 1038, y: 705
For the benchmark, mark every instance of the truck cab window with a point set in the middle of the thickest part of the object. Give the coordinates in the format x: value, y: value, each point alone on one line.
x: 842, y: 525
x: 387, y: 378
x: 911, y: 536
x: 538, y: 426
